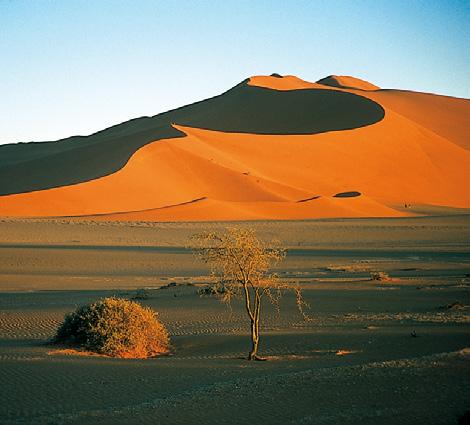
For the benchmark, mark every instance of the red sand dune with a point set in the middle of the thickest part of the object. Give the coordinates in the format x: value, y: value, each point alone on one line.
x: 447, y: 116
x: 347, y: 82
x: 415, y: 155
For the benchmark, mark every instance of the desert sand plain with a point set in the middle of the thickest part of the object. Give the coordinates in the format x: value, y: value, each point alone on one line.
x: 374, y: 352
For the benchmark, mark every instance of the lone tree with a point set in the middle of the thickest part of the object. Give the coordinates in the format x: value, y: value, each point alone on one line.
x: 240, y: 264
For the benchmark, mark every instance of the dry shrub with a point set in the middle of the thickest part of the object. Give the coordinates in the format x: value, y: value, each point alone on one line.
x: 457, y: 305
x: 380, y: 276
x: 115, y: 327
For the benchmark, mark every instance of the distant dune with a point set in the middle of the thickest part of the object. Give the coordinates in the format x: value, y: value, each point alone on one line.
x: 270, y: 148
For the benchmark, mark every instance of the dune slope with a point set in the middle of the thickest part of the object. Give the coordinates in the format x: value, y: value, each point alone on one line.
x: 347, y: 82
x: 447, y: 116
x: 245, y: 108
x: 277, y: 148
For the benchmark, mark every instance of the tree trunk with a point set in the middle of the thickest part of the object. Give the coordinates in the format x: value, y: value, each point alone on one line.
x: 254, y: 340
x: 255, y: 329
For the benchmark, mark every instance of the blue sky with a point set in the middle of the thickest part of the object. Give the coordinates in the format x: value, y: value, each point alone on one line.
x: 75, y: 67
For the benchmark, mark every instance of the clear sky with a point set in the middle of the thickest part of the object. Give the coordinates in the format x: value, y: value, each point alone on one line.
x: 74, y: 67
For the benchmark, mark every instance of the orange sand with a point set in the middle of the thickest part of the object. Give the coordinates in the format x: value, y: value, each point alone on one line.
x: 291, y: 82
x: 212, y: 210
x: 447, y: 116
x: 347, y: 82
x: 415, y: 155
x: 288, y: 82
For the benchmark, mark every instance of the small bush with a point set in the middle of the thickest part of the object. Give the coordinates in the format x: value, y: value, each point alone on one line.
x: 212, y: 290
x: 115, y: 327
x: 380, y: 276
x: 141, y: 294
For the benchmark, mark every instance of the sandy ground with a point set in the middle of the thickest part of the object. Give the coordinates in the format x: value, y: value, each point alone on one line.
x: 388, y: 376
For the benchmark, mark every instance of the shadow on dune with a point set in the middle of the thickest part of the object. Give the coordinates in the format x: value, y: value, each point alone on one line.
x: 243, y: 109
x: 351, y: 194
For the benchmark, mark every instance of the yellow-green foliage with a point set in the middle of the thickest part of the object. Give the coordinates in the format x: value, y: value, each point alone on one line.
x: 240, y: 262
x: 115, y: 327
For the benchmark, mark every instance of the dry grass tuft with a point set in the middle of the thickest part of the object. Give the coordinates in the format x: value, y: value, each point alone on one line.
x: 345, y: 352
